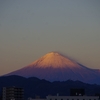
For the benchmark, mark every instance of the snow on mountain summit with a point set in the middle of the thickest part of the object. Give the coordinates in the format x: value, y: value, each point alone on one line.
x: 55, y: 60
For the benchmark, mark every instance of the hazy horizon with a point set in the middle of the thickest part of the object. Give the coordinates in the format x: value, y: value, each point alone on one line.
x: 30, y: 29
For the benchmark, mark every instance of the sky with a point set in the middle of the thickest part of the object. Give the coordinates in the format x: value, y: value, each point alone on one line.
x: 30, y: 29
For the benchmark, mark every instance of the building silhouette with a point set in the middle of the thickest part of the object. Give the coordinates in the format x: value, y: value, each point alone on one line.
x: 12, y: 93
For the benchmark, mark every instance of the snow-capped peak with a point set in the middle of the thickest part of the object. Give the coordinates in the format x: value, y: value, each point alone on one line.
x: 56, y: 67
x: 55, y: 60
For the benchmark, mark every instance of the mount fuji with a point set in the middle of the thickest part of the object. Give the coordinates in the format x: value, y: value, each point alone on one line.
x: 56, y: 67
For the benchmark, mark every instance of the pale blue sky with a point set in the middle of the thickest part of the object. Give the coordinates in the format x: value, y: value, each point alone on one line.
x: 31, y: 28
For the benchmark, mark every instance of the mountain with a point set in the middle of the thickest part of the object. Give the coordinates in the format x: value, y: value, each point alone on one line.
x: 56, y: 67
x: 34, y: 86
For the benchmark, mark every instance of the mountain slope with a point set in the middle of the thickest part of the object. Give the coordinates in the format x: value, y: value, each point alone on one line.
x: 55, y: 67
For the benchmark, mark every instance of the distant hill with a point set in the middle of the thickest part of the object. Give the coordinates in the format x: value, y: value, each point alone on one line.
x: 34, y: 86
x: 56, y: 67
